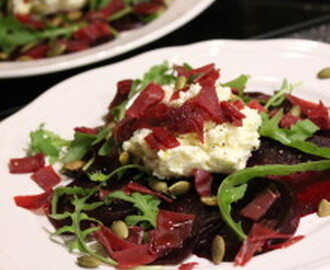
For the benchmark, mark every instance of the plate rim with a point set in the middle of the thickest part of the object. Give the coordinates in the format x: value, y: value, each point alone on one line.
x: 99, y: 53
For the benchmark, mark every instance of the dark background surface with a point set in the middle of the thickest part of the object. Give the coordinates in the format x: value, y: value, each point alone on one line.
x: 225, y: 19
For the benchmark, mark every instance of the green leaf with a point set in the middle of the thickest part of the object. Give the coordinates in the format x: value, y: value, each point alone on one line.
x: 278, y: 98
x: 228, y: 190
x: 46, y: 142
x: 145, y: 203
x: 119, y: 172
x: 239, y: 84
x: 295, y: 136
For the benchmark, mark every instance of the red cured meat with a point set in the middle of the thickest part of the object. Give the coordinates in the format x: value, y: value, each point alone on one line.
x: 93, y: 32
x: 203, y: 182
x: 38, y: 51
x: 150, y: 96
x: 135, y: 235
x: 76, y: 46
x: 258, y: 207
x: 188, y: 266
x: 111, y: 8
x: 123, y: 89
x: 46, y: 178
x: 288, y: 120
x: 131, y: 187
x: 161, y: 139
x: 253, y: 104
x: 86, y: 130
x: 29, y: 20
x: 147, y: 8
x: 124, y: 129
x: 27, y: 164
x: 33, y: 202
x: 232, y: 114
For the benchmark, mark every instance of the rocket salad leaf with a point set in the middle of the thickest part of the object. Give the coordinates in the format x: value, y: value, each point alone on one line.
x: 233, y: 187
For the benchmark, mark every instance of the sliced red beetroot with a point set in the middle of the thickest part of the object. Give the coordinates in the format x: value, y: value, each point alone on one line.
x: 46, y: 178
x: 172, y: 229
x: 33, y: 202
x: 86, y: 130
x: 123, y: 89
x: 317, y: 113
x: 27, y: 164
x: 203, y: 182
x: 150, y: 96
x: 288, y: 120
x: 231, y: 113
x: 161, y: 139
x: 258, y: 207
x: 131, y: 187
x: 253, y: 104
x: 310, y: 195
x: 255, y: 241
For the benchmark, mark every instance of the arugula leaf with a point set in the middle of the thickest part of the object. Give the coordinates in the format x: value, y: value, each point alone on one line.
x: 295, y: 136
x: 101, y: 177
x: 14, y: 33
x: 239, y: 84
x: 233, y: 187
x: 160, y: 74
x: 79, y: 197
x: 46, y: 142
x: 83, y: 143
x: 279, y: 97
x: 146, y: 204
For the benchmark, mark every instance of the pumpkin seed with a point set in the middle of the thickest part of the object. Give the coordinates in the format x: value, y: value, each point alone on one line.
x: 295, y: 111
x: 324, y: 73
x: 179, y: 188
x: 180, y: 82
x: 27, y: 47
x: 74, y: 15
x: 218, y: 249
x: 210, y: 201
x: 74, y: 165
x: 158, y: 186
x: 24, y: 58
x: 3, y: 56
x: 56, y: 50
x: 323, y: 208
x: 124, y: 158
x: 87, y: 261
x: 56, y: 21
x: 120, y: 228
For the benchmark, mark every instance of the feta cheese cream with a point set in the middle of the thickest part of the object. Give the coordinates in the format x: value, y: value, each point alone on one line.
x: 45, y: 6
x: 226, y: 148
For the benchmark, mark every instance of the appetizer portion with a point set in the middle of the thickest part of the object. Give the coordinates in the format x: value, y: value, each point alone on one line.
x: 36, y: 29
x: 184, y: 164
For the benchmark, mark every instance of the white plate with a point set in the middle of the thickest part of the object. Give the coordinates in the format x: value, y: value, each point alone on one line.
x: 83, y: 99
x: 179, y: 13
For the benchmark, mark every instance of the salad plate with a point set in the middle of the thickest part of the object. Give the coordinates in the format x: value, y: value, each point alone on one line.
x: 177, y: 14
x: 83, y: 100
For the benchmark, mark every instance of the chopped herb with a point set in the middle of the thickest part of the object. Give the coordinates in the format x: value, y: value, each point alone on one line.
x: 234, y: 186
x: 146, y: 204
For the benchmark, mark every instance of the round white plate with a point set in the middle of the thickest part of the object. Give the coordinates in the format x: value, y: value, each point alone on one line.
x: 83, y: 99
x: 179, y: 13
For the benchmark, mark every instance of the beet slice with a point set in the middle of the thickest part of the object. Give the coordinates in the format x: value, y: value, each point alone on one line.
x: 203, y: 182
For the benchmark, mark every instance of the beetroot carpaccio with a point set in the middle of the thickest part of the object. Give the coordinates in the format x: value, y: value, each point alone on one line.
x: 184, y: 164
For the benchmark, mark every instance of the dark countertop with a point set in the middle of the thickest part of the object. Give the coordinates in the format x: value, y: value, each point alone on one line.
x: 225, y: 19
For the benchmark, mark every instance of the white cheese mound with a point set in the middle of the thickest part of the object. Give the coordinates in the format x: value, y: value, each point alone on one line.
x: 45, y: 6
x: 226, y: 148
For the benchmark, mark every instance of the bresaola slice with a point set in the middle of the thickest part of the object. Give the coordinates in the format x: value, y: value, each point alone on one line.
x: 26, y: 164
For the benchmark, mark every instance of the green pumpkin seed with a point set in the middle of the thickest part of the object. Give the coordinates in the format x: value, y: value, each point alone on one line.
x: 120, y: 228
x: 218, y: 249
x: 210, y: 201
x: 180, y: 82
x: 24, y: 58
x: 3, y: 56
x: 295, y: 111
x: 179, y: 188
x: 323, y: 208
x: 74, y: 15
x: 56, y: 21
x: 74, y: 165
x: 324, y: 73
x: 27, y: 47
x: 87, y: 261
x: 56, y: 50
x: 124, y: 158
x: 158, y: 186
